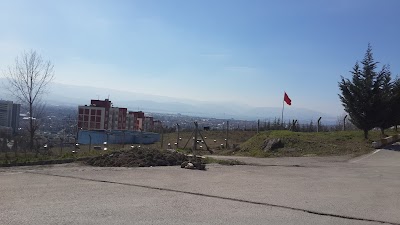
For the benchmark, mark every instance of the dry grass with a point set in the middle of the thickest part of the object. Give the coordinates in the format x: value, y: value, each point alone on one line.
x: 213, y: 139
x: 246, y: 143
x: 310, y: 144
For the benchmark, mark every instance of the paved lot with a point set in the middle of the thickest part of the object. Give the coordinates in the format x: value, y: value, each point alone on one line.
x: 337, y: 190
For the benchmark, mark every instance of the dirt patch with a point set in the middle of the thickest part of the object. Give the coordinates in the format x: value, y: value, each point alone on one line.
x: 138, y: 158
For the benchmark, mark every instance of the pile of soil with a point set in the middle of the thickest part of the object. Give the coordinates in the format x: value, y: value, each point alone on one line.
x: 138, y: 158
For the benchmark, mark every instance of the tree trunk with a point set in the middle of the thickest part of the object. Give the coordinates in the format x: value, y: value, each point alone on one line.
x: 31, y: 131
x: 382, y: 132
x: 366, y: 134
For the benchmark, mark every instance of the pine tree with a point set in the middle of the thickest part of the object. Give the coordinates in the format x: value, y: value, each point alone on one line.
x: 386, y: 97
x: 395, y: 103
x: 365, y: 97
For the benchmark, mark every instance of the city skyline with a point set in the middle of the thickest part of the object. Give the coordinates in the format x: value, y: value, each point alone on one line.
x: 224, y: 51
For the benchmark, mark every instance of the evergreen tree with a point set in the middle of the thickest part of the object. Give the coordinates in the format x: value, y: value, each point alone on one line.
x: 386, y: 97
x: 365, y: 97
x: 395, y: 102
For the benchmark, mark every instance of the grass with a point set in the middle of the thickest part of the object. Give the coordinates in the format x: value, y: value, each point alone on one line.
x: 295, y: 144
x: 235, y: 138
x: 310, y: 144
x: 56, y: 154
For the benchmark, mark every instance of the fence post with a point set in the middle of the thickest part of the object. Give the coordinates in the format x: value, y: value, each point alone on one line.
x: 319, y: 121
x: 195, y: 140
x: 177, y: 139
x: 227, y: 134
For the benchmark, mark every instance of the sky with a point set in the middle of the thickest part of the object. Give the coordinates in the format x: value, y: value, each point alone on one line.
x: 242, y: 51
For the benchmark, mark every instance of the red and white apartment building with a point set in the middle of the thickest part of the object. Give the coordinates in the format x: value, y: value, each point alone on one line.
x: 101, y: 115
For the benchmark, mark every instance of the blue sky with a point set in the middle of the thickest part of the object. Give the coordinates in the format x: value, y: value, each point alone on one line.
x: 247, y: 52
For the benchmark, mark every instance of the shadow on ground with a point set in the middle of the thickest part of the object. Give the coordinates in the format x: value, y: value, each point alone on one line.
x: 393, y: 147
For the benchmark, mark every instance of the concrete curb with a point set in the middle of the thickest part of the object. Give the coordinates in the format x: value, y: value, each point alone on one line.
x: 386, y: 141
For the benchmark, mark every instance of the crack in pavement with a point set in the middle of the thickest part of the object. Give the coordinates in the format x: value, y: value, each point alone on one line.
x: 219, y: 197
x: 277, y: 165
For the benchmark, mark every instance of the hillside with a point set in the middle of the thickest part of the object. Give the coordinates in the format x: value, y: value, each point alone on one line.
x: 295, y: 144
x: 309, y: 144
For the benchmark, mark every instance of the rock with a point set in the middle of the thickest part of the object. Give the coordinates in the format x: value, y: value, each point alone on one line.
x: 189, y: 166
x: 272, y: 144
x: 184, y: 164
x: 236, y: 147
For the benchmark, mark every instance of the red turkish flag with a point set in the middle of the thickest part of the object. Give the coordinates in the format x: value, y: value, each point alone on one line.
x: 287, y: 99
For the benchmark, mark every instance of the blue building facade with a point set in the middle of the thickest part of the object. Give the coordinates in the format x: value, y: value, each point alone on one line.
x: 116, y: 137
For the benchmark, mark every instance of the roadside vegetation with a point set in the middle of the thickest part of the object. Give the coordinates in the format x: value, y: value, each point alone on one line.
x: 371, y: 97
x: 241, y: 143
x: 297, y: 144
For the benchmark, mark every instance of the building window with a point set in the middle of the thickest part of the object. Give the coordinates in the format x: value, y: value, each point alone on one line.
x: 80, y: 111
x: 92, y: 112
x: 98, y: 112
x: 87, y: 111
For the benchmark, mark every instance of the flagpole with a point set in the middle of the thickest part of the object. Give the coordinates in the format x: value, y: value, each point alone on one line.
x: 283, y: 107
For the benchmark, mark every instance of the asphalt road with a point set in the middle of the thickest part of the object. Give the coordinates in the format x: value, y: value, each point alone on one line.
x: 335, y: 190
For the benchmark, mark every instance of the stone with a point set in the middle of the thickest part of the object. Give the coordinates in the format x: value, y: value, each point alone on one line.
x: 272, y: 144
x: 184, y: 164
x: 189, y: 166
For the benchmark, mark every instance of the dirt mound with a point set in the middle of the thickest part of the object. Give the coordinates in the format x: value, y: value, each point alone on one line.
x: 138, y: 158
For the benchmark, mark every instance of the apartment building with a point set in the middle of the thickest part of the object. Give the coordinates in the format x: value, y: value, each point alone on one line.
x: 91, y: 118
x: 101, y: 115
x: 117, y: 118
x: 9, y: 115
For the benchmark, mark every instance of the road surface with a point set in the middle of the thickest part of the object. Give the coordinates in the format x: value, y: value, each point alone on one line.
x: 328, y: 190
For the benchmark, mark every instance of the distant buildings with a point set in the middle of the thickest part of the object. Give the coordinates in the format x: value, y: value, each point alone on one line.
x: 101, y: 115
x: 9, y: 116
x: 100, y: 123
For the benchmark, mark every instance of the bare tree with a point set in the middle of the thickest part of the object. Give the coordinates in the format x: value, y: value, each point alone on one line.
x: 28, y: 80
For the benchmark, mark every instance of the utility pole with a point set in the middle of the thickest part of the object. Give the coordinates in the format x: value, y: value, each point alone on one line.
x: 195, y: 133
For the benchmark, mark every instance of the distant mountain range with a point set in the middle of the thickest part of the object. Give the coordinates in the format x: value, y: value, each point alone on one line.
x: 71, y: 95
